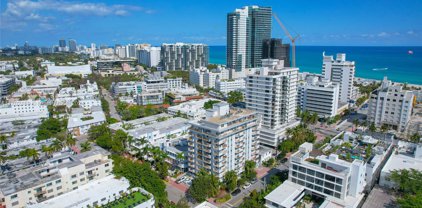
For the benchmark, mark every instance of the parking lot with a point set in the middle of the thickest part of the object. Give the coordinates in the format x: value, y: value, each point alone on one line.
x: 176, y: 189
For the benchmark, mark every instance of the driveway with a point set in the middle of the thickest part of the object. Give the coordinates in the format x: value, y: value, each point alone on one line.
x: 175, y: 191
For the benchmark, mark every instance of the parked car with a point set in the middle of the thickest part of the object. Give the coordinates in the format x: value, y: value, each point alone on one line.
x: 254, y: 181
x: 236, y: 192
x: 284, y: 160
x: 247, y: 185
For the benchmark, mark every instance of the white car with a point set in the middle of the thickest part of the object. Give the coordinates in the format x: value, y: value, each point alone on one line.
x: 247, y: 185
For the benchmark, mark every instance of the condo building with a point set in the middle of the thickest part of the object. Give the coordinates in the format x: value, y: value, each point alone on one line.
x: 341, y: 72
x: 391, y: 105
x: 272, y: 92
x: 150, y: 56
x: 182, y: 56
x: 223, y: 141
x: 5, y: 84
x: 318, y: 96
x: 247, y: 28
x: 58, y: 175
x: 273, y: 48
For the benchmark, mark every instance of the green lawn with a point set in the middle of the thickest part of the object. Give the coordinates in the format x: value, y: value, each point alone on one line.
x: 130, y: 200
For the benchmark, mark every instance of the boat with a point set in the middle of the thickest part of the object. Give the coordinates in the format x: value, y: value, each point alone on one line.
x: 410, y: 52
x: 379, y: 69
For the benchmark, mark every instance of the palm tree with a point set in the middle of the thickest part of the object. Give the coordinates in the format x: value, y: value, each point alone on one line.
x: 57, y: 145
x: 180, y: 157
x: 30, y: 153
x: 70, y: 141
x: 85, y: 146
x: 48, y: 150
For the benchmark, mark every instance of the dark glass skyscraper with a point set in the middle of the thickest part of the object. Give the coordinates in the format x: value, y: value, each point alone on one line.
x: 246, y: 30
x: 274, y: 49
x: 62, y: 43
x: 72, y: 45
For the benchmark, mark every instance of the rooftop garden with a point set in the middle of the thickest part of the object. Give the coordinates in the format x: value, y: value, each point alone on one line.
x: 86, y: 118
x: 313, y: 160
x: 128, y: 200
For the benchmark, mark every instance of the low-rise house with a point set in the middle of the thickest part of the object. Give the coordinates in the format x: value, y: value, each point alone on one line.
x: 406, y: 156
x: 81, y: 120
x: 193, y: 109
x: 100, y: 193
x: 60, y: 71
x: 23, y: 110
x: 150, y: 97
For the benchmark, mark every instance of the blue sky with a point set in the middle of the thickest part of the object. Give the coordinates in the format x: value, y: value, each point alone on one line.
x: 321, y: 22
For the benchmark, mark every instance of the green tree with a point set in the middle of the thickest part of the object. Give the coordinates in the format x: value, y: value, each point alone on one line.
x: 415, y: 137
x: 30, y: 153
x: 49, y: 128
x: 85, y: 146
x: 96, y: 131
x: 210, y: 103
x: 249, y: 173
x: 230, y: 180
x: 203, y: 186
x: 48, y: 150
x: 372, y: 127
x: 234, y: 97
x: 286, y: 146
x: 409, y: 183
x: 162, y: 169
x: 183, y: 203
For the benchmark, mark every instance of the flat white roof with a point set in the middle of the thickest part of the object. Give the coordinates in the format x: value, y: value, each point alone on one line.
x: 402, y: 161
x: 81, y: 69
x: 86, y: 194
x: 285, y: 194
x: 206, y: 204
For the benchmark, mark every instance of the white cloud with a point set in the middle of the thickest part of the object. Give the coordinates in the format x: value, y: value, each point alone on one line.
x: 383, y: 34
x: 19, y: 13
x: 411, y: 32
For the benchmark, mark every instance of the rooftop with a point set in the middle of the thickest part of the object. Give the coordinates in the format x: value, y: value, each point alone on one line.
x: 286, y: 194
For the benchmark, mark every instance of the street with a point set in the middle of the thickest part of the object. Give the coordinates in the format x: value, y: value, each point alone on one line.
x: 111, y: 104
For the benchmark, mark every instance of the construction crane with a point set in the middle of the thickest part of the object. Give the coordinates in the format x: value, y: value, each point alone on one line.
x: 292, y: 39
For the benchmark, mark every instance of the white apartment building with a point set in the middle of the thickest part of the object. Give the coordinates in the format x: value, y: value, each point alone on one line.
x: 60, y: 174
x: 318, y: 96
x: 390, y: 105
x: 339, y: 181
x: 123, y: 88
x: 226, y: 86
x: 97, y: 193
x: 211, y: 76
x: 174, y: 83
x: 224, y: 141
x: 341, y: 72
x: 237, y: 25
x: 194, y: 109
x: 120, y: 51
x: 81, y: 120
x: 60, y: 71
x: 150, y: 97
x: 23, y: 74
x: 150, y: 56
x: 196, y: 76
x: 272, y: 92
x: 89, y: 103
x: 159, y: 130
x: 23, y: 110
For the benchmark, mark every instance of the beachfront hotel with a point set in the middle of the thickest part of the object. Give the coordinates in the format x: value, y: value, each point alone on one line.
x: 341, y: 72
x: 318, y: 96
x: 390, y: 105
x: 224, y: 141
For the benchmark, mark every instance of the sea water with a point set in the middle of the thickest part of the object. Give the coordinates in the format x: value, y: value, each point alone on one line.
x: 371, y: 62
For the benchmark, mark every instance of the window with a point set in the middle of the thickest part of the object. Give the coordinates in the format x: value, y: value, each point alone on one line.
x: 15, y: 203
x: 330, y: 178
x: 81, y: 173
x: 319, y: 175
x: 311, y: 172
x: 294, y: 167
x: 49, y: 191
x: 310, y: 179
x: 329, y: 192
x: 318, y: 188
x: 74, y: 182
x: 337, y: 195
x: 309, y: 185
x: 49, y: 184
x: 301, y: 176
x: 329, y: 185
x: 58, y: 181
x: 82, y: 179
x: 59, y: 187
x: 14, y: 196
x: 339, y: 180
x: 319, y: 182
x: 302, y: 169
x: 338, y: 188
x: 73, y: 176
x: 107, y: 164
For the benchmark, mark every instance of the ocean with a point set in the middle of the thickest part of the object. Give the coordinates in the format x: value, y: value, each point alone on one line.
x: 371, y: 62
